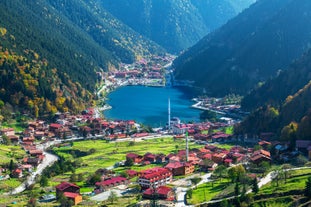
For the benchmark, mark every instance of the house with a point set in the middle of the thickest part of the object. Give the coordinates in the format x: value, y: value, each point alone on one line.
x: 31, y: 161
x: 111, y: 182
x: 35, y: 153
x: 131, y: 173
x: 55, y: 127
x: 150, y: 157
x: 260, y: 156
x: 66, y: 187
x: 160, y: 158
x: 13, y: 138
x: 219, y: 158
x: 220, y: 137
x: 134, y: 157
x: 180, y: 168
x: 180, y: 128
x: 7, y: 132
x: 17, y: 173
x: 154, y: 177
x: 75, y: 197
x: 162, y: 192
x: 207, y: 165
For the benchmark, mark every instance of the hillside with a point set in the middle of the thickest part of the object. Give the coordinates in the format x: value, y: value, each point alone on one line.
x: 249, y: 49
x: 282, y: 104
x: 175, y: 24
x: 28, y: 83
x: 275, y: 91
x: 74, y: 37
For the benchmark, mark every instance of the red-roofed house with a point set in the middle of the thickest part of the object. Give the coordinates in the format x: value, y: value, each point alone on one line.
x: 134, y: 157
x: 111, y: 182
x: 55, y: 127
x: 17, y: 173
x: 219, y: 157
x: 7, y: 132
x: 150, y: 157
x: 67, y: 187
x: 131, y: 173
x: 154, y: 177
x: 75, y: 197
x: 162, y: 192
x: 260, y: 156
x: 179, y: 168
x: 35, y: 152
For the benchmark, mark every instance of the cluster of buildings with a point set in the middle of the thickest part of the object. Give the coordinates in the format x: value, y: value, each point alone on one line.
x: 146, y: 71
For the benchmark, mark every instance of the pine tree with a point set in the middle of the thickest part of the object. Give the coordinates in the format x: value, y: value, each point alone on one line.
x: 255, y: 187
x: 237, y: 189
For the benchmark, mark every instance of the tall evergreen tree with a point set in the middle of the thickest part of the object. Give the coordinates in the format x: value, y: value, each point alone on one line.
x: 255, y: 187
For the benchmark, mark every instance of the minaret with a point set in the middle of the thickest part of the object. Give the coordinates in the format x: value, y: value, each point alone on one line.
x: 187, y: 147
x: 169, y: 114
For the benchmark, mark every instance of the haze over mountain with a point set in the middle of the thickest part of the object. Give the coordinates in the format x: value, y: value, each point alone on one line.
x: 175, y: 24
x: 249, y: 49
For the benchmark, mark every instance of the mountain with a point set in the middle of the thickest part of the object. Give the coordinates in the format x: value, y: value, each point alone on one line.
x: 77, y: 37
x: 175, y: 24
x: 30, y: 84
x: 249, y: 49
x: 282, y: 104
x: 65, y: 43
x: 276, y: 90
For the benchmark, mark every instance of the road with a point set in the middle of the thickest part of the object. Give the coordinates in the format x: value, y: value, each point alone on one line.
x: 48, y: 160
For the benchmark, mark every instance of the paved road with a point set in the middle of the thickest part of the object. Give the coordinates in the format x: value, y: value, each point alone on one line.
x: 48, y: 160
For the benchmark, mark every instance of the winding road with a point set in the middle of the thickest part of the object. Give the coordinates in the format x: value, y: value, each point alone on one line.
x: 48, y: 160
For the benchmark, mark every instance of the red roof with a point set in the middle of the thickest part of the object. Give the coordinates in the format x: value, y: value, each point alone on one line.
x: 132, y: 155
x: 155, y: 173
x: 65, y: 185
x: 115, y: 180
x: 54, y: 125
x: 162, y: 190
x: 71, y: 195
x: 131, y: 172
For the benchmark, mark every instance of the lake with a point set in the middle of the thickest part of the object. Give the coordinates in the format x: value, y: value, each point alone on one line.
x: 149, y: 105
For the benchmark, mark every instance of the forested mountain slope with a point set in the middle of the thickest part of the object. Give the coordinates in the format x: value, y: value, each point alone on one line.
x: 283, y: 104
x: 30, y: 84
x: 76, y: 36
x: 175, y: 24
x: 275, y: 91
x: 250, y: 48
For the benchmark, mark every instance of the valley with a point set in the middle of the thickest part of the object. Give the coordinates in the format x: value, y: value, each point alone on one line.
x: 155, y: 103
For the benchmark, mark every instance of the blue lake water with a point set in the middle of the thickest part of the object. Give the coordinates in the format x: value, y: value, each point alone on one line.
x: 149, y: 105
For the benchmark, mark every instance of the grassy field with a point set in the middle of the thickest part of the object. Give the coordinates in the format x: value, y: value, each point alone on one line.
x: 107, y: 154
x: 17, y: 126
x: 10, y: 152
x: 286, y: 201
x: 9, y: 184
x: 207, y: 191
x: 297, y: 181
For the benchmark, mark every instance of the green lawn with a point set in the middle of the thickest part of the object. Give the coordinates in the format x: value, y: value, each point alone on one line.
x: 293, y: 183
x: 17, y: 126
x: 207, y: 191
x: 286, y: 201
x: 10, y: 152
x: 107, y: 154
x: 7, y: 185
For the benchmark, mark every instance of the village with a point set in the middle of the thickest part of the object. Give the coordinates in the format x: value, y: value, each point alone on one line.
x: 184, y: 156
x: 148, y: 71
x: 166, y: 171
